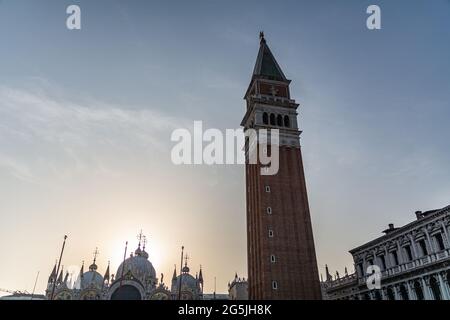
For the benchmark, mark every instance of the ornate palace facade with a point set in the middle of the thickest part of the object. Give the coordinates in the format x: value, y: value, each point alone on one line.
x: 414, y: 261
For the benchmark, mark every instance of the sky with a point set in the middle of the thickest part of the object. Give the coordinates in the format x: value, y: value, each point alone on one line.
x: 86, y: 118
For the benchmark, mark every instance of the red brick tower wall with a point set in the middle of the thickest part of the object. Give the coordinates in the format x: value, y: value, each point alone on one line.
x: 295, y: 267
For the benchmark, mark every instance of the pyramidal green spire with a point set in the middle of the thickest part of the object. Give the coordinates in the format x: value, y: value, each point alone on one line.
x: 266, y: 65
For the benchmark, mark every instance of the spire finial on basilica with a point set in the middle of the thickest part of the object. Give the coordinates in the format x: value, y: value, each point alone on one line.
x: 106, y: 277
x: 93, y: 266
x: 186, y: 268
x: 82, y: 269
x: 144, y: 242
x: 53, y: 275
x: 96, y: 252
x: 174, y: 277
x: 140, y: 237
x: 327, y: 273
x: 200, y: 275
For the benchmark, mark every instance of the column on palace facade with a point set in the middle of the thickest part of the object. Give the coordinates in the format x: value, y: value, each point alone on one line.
x: 377, y: 260
x: 444, y: 276
x: 383, y: 294
x: 444, y: 288
x: 397, y: 294
x: 430, y: 243
x: 375, y: 257
x: 447, y: 228
x: 411, y: 292
x: 399, y: 253
x: 413, y: 246
x: 364, y: 266
x: 447, y: 244
x: 387, y: 258
x: 426, y: 290
x: 358, y: 272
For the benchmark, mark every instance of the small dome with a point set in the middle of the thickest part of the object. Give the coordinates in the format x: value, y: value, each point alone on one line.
x: 140, y: 268
x: 187, y: 281
x: 91, y: 278
x: 138, y: 251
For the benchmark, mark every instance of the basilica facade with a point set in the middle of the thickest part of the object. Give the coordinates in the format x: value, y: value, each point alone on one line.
x: 135, y: 279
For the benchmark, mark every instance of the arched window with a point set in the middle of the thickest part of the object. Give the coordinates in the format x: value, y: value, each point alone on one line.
x: 279, y: 120
x: 126, y: 292
x: 403, y: 292
x: 378, y: 295
x: 390, y: 293
x: 287, y: 123
x: 265, y: 118
x: 272, y: 119
x: 435, y: 289
x: 440, y: 241
x: 418, y: 290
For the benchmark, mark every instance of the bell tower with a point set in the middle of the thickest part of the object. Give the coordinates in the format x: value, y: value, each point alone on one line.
x: 280, y: 245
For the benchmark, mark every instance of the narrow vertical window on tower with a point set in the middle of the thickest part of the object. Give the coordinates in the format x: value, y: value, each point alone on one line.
x: 287, y: 123
x: 267, y: 188
x: 272, y: 119
x: 265, y: 118
x: 269, y: 210
x: 270, y: 233
x: 280, y: 120
x: 272, y: 258
x: 274, y: 285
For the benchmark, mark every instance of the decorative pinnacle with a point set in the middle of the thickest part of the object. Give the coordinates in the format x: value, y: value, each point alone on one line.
x: 140, y: 237
x: 96, y: 253
x: 144, y: 242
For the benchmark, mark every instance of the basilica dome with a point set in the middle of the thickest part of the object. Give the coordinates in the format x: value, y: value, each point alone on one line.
x: 188, y: 282
x: 91, y: 278
x: 139, y: 266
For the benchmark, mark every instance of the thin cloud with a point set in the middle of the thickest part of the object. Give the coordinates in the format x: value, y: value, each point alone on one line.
x: 39, y: 131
